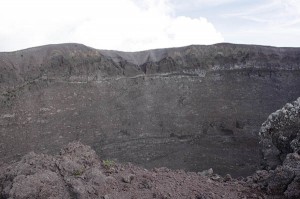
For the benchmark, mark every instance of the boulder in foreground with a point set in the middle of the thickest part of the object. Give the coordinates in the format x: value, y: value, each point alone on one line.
x: 77, y: 172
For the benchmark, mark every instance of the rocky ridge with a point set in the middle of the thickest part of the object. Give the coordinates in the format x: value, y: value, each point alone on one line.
x: 76, y: 62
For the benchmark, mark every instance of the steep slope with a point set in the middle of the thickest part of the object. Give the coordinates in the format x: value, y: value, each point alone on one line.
x: 194, y: 107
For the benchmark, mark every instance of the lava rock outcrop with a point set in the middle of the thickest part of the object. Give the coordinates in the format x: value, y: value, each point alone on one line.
x: 77, y: 172
x: 280, y: 141
x: 281, y: 134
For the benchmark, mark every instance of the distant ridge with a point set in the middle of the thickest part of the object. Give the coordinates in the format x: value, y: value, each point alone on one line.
x: 71, y: 59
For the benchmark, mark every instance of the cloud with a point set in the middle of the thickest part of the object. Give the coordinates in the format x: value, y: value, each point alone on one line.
x: 267, y: 22
x: 191, y: 4
x: 270, y: 12
x: 128, y: 25
x: 292, y: 6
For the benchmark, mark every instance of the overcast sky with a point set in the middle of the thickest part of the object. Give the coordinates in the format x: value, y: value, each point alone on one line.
x: 132, y: 25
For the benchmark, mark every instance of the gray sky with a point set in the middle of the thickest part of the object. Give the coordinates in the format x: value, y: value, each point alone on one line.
x: 132, y: 25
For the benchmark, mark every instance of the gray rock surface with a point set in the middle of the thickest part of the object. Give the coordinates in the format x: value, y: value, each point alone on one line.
x: 75, y: 173
x: 281, y: 152
x: 280, y: 134
x: 195, y: 107
x: 78, y: 173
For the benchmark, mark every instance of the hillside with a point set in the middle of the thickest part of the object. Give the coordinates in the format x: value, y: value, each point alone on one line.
x: 190, y: 108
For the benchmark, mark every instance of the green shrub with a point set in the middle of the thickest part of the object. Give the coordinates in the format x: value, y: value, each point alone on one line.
x: 108, y: 163
x: 77, y: 172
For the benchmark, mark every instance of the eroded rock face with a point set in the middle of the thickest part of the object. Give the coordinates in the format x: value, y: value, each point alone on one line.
x: 280, y: 135
x: 77, y: 172
x: 195, y: 107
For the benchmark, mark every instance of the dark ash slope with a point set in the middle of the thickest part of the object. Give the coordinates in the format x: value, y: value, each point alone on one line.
x: 194, y: 107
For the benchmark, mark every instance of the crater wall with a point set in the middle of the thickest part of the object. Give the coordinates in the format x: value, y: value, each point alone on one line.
x: 194, y: 108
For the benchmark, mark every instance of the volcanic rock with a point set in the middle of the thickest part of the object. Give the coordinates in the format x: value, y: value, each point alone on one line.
x: 192, y: 108
x: 77, y: 172
x: 280, y: 135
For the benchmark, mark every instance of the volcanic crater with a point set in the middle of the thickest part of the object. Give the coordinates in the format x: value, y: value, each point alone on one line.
x: 190, y: 108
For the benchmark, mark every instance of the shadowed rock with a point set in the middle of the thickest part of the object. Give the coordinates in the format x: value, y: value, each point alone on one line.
x: 280, y: 135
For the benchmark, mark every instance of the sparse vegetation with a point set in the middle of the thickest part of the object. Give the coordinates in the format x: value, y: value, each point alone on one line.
x: 78, y: 172
x: 108, y: 163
